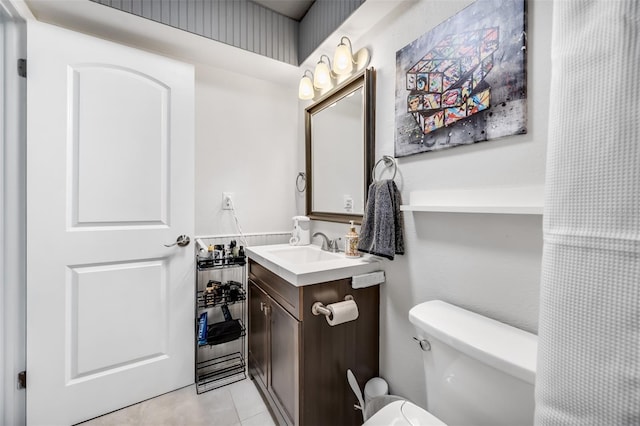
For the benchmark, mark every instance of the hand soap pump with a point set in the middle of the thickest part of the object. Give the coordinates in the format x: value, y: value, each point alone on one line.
x: 351, y: 242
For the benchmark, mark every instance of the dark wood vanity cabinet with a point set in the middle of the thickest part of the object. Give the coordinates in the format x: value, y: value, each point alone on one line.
x: 297, y: 360
x: 272, y: 350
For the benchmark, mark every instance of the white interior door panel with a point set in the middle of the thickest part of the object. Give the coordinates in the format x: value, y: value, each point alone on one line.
x: 109, y: 182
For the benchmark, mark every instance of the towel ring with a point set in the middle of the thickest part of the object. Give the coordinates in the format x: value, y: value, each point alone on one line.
x: 388, y: 162
x: 304, y: 179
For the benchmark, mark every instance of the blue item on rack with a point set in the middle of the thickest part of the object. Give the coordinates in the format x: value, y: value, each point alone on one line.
x: 202, y: 329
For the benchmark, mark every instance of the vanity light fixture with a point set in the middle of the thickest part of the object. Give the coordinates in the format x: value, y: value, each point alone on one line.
x: 305, y: 89
x: 322, y: 74
x: 343, y: 59
x: 345, y: 63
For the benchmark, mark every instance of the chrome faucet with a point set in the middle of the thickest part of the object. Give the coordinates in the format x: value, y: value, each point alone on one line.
x: 325, y: 240
x: 327, y: 244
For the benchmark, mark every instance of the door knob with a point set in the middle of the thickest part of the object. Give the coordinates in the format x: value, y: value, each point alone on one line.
x: 182, y: 241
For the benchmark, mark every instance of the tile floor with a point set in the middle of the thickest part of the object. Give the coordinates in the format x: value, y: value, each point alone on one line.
x: 238, y: 404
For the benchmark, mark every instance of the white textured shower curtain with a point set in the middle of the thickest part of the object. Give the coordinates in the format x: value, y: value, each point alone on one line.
x: 589, y: 331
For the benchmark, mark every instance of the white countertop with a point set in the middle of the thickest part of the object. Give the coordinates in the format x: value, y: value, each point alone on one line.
x: 301, y: 271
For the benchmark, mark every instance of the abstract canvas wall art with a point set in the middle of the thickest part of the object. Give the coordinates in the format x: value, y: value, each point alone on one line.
x: 464, y: 81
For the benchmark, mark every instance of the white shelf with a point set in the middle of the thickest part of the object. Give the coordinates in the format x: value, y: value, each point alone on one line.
x: 500, y: 200
x: 475, y: 209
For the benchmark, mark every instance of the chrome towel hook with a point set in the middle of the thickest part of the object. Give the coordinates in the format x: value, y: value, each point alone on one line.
x: 389, y: 161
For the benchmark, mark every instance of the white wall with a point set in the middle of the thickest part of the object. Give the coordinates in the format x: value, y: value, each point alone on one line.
x: 486, y: 263
x: 246, y: 143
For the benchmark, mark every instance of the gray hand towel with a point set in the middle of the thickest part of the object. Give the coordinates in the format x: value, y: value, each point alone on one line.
x: 381, y: 233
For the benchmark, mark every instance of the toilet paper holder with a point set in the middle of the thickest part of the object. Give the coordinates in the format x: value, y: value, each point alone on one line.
x: 318, y: 308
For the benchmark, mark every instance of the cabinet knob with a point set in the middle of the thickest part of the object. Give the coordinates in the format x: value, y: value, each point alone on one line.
x: 262, y: 305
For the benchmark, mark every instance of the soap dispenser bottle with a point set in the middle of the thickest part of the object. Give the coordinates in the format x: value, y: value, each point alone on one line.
x: 351, y: 242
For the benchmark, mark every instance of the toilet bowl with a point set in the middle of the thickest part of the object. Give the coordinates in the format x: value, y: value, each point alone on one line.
x: 479, y: 371
x: 403, y: 413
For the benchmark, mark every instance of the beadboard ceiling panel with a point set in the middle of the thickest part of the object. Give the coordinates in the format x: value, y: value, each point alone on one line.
x: 294, y: 9
x: 239, y: 23
x: 322, y: 19
x: 246, y: 24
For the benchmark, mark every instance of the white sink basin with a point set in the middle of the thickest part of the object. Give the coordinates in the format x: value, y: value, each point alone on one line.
x: 304, y: 265
x: 304, y: 254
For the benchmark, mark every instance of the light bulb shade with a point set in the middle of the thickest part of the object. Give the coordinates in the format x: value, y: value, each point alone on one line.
x: 305, y: 90
x: 342, y: 60
x: 322, y: 76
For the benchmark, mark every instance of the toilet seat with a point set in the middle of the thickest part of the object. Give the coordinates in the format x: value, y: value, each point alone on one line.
x: 403, y: 413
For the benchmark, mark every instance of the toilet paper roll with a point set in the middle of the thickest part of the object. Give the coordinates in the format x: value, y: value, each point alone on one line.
x: 342, y: 312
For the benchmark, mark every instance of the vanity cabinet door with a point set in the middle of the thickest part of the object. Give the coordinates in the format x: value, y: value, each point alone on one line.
x: 258, y: 333
x: 285, y: 362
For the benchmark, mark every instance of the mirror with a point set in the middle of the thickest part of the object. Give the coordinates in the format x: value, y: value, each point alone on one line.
x: 340, y: 133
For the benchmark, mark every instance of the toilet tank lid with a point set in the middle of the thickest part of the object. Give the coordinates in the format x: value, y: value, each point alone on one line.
x: 499, y: 345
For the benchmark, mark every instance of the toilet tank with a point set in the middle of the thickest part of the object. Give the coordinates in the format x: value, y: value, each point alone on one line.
x: 479, y: 371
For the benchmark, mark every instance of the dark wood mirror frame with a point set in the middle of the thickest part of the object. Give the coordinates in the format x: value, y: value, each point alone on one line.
x: 366, y: 80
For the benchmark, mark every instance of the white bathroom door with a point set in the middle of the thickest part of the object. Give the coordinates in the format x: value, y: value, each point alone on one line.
x: 109, y: 182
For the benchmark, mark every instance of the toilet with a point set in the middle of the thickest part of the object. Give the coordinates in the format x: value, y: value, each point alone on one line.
x: 479, y: 371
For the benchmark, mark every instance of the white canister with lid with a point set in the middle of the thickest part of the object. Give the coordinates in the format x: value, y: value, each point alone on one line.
x: 301, y: 235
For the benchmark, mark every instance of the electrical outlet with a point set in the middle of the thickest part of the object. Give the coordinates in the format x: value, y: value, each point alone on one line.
x: 348, y: 203
x: 227, y: 200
